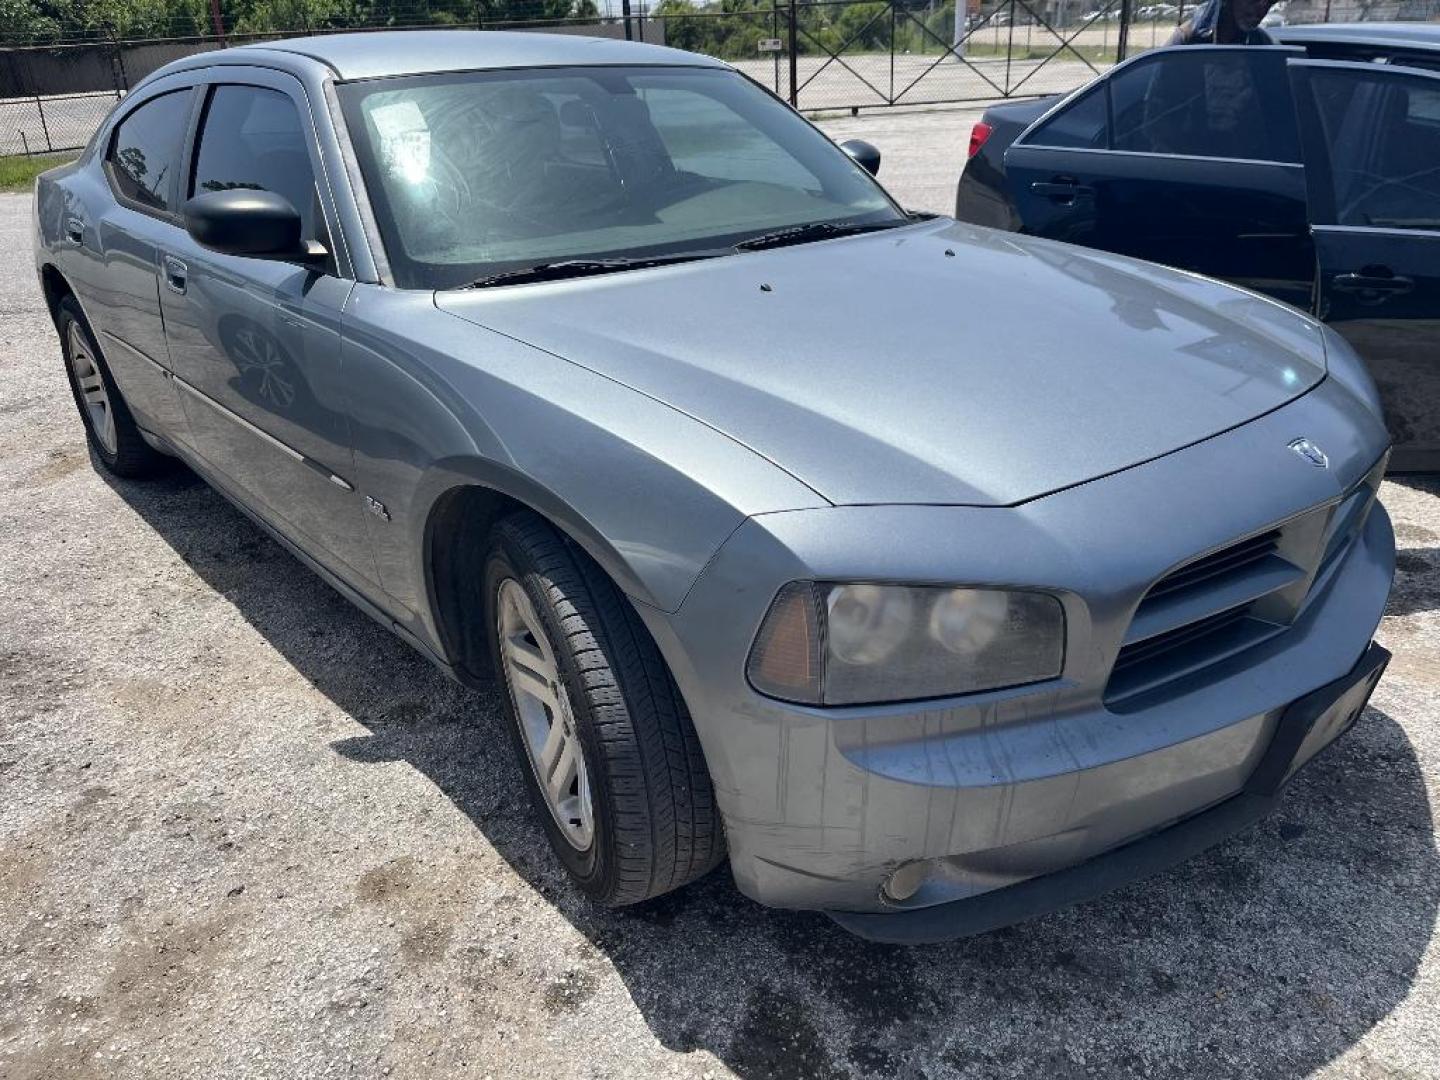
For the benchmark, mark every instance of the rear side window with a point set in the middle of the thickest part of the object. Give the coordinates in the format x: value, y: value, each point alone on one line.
x: 252, y: 137
x: 1210, y: 102
x: 145, y: 150
x: 1079, y: 124
x: 1383, y: 133
x: 1197, y: 103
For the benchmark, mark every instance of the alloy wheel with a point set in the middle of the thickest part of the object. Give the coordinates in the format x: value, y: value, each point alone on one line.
x: 547, y: 722
x: 93, y: 396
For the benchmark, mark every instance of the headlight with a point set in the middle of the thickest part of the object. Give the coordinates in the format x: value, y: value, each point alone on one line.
x: 829, y: 644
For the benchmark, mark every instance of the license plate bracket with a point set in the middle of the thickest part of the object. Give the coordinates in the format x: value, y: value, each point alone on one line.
x: 1311, y: 723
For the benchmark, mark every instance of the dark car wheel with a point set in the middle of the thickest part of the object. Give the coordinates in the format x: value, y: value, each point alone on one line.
x: 610, y: 756
x: 109, y: 427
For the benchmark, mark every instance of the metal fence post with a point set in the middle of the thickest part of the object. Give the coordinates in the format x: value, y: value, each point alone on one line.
x: 44, y: 128
x: 891, y: 100
x: 1009, y: 47
x: 775, y: 33
x: 625, y: 14
x: 117, y: 68
x: 794, y: 69
x: 1122, y: 41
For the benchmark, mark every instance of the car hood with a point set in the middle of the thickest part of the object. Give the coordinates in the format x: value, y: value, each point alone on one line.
x: 935, y: 363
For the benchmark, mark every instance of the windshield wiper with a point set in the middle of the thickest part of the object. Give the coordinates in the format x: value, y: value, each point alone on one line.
x: 816, y: 230
x: 572, y: 268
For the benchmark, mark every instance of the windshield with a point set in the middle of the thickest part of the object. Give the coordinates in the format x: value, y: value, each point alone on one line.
x: 480, y: 173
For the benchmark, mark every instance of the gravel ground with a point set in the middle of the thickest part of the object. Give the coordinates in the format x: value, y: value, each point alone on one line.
x: 245, y: 833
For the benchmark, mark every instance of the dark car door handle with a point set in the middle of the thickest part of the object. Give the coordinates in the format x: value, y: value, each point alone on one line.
x: 175, y: 274
x: 1372, y: 283
x: 1060, y: 188
x: 75, y: 229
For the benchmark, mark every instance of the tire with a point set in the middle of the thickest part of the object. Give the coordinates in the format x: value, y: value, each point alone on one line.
x: 110, y: 427
x: 653, y: 824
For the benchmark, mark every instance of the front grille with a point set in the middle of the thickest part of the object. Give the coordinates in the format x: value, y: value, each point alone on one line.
x: 1231, y: 599
x: 1230, y: 560
x: 1189, y: 634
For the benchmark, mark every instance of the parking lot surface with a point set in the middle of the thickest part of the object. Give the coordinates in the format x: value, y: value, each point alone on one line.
x: 246, y: 833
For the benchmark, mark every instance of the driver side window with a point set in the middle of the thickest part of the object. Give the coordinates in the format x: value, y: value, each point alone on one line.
x: 252, y: 137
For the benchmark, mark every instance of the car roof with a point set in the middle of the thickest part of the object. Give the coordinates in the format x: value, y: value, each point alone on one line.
x: 1415, y: 36
x: 378, y: 54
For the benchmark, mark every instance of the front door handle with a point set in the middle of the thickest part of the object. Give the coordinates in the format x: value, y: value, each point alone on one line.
x: 1374, y: 282
x: 75, y: 229
x: 176, y: 273
x: 1061, y: 189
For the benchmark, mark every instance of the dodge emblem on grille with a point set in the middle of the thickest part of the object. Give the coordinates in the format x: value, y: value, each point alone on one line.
x: 1311, y: 453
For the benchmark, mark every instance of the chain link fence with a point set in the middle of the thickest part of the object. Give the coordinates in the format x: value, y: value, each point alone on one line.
x: 817, y: 54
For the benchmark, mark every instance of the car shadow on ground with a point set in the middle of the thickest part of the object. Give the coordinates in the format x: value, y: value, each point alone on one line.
x: 1270, y: 955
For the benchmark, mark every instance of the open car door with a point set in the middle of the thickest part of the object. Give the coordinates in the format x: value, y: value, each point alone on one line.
x: 1371, y: 136
x: 1185, y: 156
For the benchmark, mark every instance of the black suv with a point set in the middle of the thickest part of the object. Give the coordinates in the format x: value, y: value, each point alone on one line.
x: 1308, y: 170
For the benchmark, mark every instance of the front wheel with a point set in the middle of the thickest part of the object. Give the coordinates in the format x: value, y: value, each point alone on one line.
x: 610, y: 756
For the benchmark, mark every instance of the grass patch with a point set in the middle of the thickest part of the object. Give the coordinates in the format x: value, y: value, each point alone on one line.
x: 18, y: 172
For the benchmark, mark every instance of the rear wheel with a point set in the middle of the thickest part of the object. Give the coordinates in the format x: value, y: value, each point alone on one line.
x: 610, y: 756
x: 109, y: 426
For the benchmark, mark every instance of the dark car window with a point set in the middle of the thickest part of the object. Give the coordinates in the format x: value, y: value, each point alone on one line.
x: 1080, y: 123
x: 253, y: 138
x: 1383, y: 133
x: 145, y: 151
x: 1197, y: 102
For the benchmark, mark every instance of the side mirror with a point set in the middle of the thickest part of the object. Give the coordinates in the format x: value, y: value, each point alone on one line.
x: 247, y: 221
x: 864, y: 155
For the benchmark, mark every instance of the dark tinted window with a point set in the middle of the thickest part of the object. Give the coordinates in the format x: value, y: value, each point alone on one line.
x: 252, y: 138
x: 1383, y: 131
x: 1080, y: 123
x: 146, y: 149
x: 1198, y: 102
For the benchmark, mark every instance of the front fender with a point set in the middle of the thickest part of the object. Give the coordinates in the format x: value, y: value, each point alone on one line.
x: 439, y: 403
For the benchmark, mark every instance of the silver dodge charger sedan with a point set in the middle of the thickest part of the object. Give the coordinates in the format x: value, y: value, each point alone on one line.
x: 935, y: 576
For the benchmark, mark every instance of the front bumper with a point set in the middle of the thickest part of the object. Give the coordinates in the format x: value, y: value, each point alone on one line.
x: 1304, y: 729
x: 822, y: 806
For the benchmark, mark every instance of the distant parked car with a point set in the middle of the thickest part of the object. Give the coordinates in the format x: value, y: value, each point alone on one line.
x: 592, y: 367
x: 1305, y: 170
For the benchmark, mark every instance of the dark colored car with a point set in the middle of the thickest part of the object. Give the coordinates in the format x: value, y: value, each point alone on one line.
x: 1308, y: 170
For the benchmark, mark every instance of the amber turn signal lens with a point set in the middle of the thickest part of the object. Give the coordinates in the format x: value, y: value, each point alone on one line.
x: 785, y: 662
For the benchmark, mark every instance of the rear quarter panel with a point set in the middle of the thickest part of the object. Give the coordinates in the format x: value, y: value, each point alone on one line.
x: 982, y: 197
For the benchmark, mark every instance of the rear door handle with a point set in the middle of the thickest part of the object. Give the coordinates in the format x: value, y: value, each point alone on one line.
x: 176, y: 273
x: 75, y: 229
x: 1372, y: 283
x: 1060, y: 189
